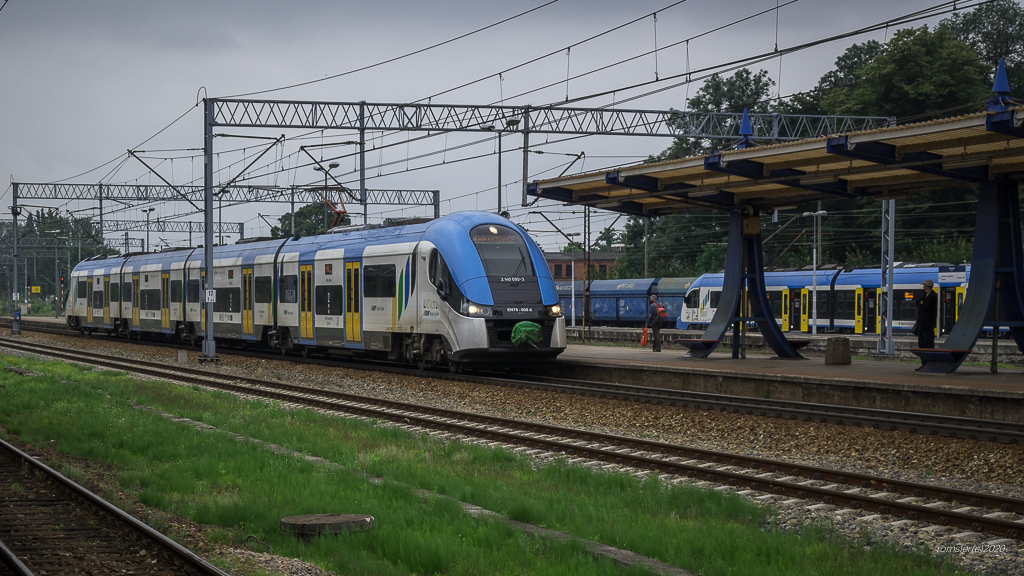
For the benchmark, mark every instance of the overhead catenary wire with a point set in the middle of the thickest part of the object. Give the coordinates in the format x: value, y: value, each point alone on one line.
x: 396, y: 58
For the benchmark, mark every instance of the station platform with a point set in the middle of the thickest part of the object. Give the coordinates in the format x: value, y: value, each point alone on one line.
x: 971, y: 391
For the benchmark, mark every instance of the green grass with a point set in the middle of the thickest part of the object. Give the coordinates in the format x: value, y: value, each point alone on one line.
x: 244, y: 489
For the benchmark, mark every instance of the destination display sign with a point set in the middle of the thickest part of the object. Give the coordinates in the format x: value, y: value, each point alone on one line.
x: 952, y: 274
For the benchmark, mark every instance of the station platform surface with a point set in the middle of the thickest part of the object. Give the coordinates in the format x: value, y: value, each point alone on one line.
x: 880, y: 371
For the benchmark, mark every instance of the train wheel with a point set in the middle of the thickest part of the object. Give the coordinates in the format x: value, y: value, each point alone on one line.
x: 454, y: 367
x: 422, y: 365
x: 305, y: 351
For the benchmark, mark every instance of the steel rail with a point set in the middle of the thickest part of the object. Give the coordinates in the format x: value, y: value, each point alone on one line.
x: 11, y: 560
x: 696, y: 467
x: 187, y: 561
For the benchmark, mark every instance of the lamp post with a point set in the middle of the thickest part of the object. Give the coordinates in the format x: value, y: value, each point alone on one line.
x: 814, y: 268
x: 326, y: 172
x: 148, y: 211
x: 510, y: 124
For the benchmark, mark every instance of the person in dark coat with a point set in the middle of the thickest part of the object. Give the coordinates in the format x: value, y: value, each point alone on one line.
x: 927, y: 315
x: 654, y: 323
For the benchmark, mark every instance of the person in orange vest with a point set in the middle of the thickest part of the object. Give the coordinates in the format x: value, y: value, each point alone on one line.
x: 655, y: 314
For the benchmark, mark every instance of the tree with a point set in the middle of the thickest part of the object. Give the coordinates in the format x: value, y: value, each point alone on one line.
x: 994, y: 30
x: 742, y: 90
x: 310, y: 220
x: 846, y: 73
x: 917, y: 72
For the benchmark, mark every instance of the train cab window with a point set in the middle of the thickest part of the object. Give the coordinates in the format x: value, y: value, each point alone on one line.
x: 379, y: 281
x: 693, y: 299
x: 82, y: 289
x: 438, y: 272
x: 192, y: 291
x: 502, y: 251
x: 175, y: 290
x: 115, y: 292
x: 289, y: 289
x: 330, y: 300
x: 263, y: 289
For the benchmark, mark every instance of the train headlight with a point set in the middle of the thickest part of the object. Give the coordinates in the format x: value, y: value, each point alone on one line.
x: 472, y: 309
x: 555, y: 310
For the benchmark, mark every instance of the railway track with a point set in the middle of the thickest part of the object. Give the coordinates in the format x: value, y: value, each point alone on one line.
x: 772, y: 479
x: 891, y: 420
x: 51, y: 525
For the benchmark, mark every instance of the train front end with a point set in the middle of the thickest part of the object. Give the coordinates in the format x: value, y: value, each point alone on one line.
x: 502, y: 300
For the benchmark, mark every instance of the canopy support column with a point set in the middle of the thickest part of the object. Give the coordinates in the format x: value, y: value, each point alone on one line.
x: 744, y: 272
x: 997, y: 271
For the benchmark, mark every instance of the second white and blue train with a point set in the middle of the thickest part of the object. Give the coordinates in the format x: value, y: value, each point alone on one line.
x: 848, y: 300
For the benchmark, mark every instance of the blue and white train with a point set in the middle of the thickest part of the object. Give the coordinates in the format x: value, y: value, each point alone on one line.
x: 848, y: 301
x: 448, y: 291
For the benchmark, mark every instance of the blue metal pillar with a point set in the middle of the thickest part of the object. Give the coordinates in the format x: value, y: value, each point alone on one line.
x: 997, y: 270
x: 744, y: 249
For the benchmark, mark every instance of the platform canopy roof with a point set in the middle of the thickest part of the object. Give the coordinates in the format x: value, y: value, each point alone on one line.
x: 881, y: 163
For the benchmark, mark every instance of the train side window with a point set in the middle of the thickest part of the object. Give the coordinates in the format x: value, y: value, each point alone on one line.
x: 369, y: 281
x: 192, y: 291
x: 289, y: 289
x: 713, y: 298
x: 263, y: 292
x: 329, y: 300
x: 175, y: 290
x: 115, y: 292
x: 149, y: 299
x: 82, y: 289
x: 379, y: 281
x: 97, y: 298
x: 228, y: 300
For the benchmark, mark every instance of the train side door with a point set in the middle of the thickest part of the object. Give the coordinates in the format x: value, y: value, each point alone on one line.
x: 106, y: 300
x: 804, y: 309
x: 947, y: 301
x: 247, y: 301
x: 306, y: 300
x: 202, y: 302
x: 960, y: 291
x: 785, y: 310
x: 858, y: 311
x: 353, y: 302
x: 869, y: 310
x: 135, y: 300
x: 88, y: 301
x: 165, y: 301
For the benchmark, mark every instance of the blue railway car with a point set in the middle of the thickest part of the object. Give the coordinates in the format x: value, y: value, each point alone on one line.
x: 445, y: 291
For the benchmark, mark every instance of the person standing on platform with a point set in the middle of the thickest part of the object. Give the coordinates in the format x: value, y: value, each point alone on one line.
x: 655, y: 314
x: 927, y: 315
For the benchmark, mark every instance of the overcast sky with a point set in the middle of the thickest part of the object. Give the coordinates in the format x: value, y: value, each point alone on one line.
x: 82, y: 82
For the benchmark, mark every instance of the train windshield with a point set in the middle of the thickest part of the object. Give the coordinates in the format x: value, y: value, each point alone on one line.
x: 502, y: 251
